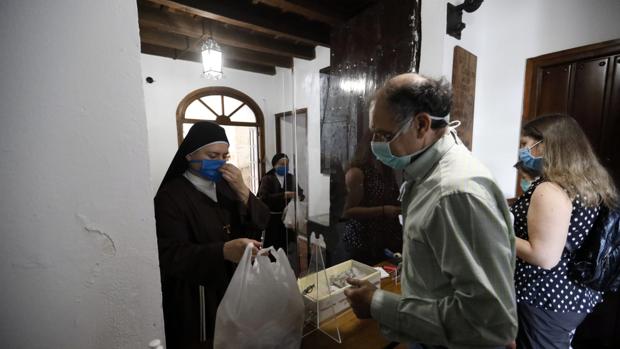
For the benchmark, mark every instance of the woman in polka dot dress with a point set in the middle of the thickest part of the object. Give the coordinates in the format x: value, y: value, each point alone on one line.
x: 372, y: 207
x: 558, y: 208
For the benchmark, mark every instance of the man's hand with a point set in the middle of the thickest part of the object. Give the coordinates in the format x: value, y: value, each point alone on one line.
x: 289, y: 194
x: 233, y: 249
x: 233, y: 176
x: 360, y: 297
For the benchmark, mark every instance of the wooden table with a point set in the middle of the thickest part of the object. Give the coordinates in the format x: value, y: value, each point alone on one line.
x: 355, y: 333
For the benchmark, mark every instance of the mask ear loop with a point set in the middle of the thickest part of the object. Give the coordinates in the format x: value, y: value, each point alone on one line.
x: 454, y: 124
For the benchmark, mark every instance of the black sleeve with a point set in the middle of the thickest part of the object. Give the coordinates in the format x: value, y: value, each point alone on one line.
x: 269, y: 194
x: 179, y: 256
x: 253, y: 217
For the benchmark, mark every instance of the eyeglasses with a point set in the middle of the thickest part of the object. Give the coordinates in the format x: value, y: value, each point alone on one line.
x: 535, y: 144
x: 388, y: 137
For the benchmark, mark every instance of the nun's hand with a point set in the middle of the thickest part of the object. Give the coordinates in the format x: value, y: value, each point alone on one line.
x: 233, y: 249
x: 233, y: 176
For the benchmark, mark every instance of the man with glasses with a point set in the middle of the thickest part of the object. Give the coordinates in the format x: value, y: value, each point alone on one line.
x: 458, y: 244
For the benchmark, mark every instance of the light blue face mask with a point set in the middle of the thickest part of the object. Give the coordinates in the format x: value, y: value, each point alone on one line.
x: 529, y: 161
x: 525, y: 184
x: 384, y: 154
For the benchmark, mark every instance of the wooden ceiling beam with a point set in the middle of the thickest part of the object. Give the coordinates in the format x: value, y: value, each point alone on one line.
x: 184, y: 45
x: 162, y: 20
x: 264, y: 20
x: 310, y: 12
x: 196, y: 57
x: 257, y: 57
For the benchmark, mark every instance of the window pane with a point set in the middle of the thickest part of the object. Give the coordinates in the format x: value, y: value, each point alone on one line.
x: 186, y: 127
x: 214, y: 102
x: 245, y: 114
x: 244, y: 153
x: 197, y: 110
x: 230, y: 104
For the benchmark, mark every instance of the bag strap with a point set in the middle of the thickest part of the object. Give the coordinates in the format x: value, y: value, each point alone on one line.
x: 246, y: 259
x: 267, y: 251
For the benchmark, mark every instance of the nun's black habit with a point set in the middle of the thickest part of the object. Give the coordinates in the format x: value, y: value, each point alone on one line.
x: 272, y: 194
x: 191, y: 232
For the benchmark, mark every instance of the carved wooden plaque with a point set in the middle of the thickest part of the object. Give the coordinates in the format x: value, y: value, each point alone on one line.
x: 464, y: 92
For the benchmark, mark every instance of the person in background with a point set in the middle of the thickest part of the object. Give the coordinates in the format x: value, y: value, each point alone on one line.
x: 372, y: 207
x: 277, y: 189
x: 457, y: 287
x: 205, y: 217
x: 558, y: 209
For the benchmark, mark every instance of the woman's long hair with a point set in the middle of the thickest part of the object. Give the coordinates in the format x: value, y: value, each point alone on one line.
x: 570, y: 161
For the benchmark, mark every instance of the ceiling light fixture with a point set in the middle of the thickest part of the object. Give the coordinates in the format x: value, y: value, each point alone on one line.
x: 211, y: 58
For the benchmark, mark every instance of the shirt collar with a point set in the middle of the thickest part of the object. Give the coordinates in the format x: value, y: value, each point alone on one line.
x: 421, y: 166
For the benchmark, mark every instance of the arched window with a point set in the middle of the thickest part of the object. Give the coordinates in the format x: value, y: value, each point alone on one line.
x: 241, y: 118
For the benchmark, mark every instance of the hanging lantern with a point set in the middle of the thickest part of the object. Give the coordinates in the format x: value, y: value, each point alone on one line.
x: 211, y: 60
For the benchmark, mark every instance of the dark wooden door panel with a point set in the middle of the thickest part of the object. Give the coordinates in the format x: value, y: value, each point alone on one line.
x: 554, y: 89
x: 611, y: 131
x: 587, y: 104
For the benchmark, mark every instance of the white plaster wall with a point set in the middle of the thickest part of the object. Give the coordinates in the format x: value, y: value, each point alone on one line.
x: 174, y: 79
x: 503, y: 34
x: 78, y: 258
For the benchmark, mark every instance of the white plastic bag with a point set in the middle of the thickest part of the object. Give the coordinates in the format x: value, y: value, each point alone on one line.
x: 295, y: 215
x: 262, y: 307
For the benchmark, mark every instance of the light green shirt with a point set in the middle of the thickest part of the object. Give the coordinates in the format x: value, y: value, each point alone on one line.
x: 458, y: 255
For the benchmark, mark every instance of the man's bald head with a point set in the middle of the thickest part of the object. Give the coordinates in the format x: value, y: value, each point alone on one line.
x: 407, y: 95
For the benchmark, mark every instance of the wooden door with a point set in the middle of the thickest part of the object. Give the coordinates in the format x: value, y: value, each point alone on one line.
x: 585, y: 83
x: 610, y: 152
x: 554, y: 89
x: 587, y: 103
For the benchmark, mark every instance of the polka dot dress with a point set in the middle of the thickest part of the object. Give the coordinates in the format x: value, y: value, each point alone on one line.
x: 551, y: 289
x: 360, y: 234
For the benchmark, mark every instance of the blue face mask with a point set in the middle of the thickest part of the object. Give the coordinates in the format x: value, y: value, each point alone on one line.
x: 281, y: 170
x: 528, y: 160
x: 525, y: 184
x: 210, y: 169
x: 384, y: 154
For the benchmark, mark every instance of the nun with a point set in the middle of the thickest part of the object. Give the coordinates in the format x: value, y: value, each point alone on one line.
x: 205, y: 217
x: 277, y: 188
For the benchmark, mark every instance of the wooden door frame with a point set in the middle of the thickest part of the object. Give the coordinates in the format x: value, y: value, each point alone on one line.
x: 278, y: 130
x: 535, y: 64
